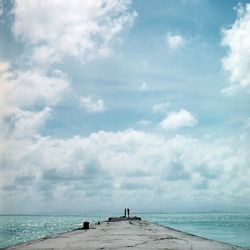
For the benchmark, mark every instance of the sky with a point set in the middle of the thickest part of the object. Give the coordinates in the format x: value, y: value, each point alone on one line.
x: 106, y: 104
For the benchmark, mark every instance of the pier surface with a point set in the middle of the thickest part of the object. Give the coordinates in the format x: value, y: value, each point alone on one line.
x: 125, y: 234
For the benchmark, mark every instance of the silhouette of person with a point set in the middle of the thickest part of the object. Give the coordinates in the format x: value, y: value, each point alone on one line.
x: 128, y: 211
x: 125, y: 212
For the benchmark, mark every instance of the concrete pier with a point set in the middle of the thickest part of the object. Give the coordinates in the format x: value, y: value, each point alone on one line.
x: 125, y: 234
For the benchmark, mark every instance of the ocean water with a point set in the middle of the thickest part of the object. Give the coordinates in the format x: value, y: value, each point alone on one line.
x: 15, y: 229
x: 230, y: 228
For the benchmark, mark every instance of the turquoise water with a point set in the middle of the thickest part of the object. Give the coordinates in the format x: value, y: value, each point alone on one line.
x: 16, y: 229
x: 230, y: 228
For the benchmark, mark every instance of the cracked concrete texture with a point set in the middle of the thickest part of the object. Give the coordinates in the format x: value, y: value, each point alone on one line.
x: 126, y: 235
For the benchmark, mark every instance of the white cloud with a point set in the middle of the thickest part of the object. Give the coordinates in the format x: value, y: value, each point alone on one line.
x: 92, y: 104
x: 161, y: 107
x: 1, y: 8
x: 237, y: 62
x: 144, y: 122
x: 4, y: 67
x: 81, y: 28
x: 113, y: 168
x: 26, y: 99
x: 177, y: 120
x: 175, y: 41
x: 144, y: 86
x: 30, y: 88
x: 27, y: 123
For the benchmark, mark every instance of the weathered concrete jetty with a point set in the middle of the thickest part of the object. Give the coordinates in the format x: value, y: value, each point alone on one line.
x: 124, y: 233
x: 123, y: 218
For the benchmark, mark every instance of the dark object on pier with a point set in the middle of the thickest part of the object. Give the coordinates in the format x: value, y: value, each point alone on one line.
x: 114, y: 219
x: 85, y: 225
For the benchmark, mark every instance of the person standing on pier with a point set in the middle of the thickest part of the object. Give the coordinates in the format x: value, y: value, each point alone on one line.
x: 128, y: 212
x: 125, y: 212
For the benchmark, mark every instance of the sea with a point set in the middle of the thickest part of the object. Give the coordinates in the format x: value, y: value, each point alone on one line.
x: 229, y: 228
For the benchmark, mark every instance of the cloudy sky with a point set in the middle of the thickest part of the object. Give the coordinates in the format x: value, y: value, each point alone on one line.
x: 106, y: 104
